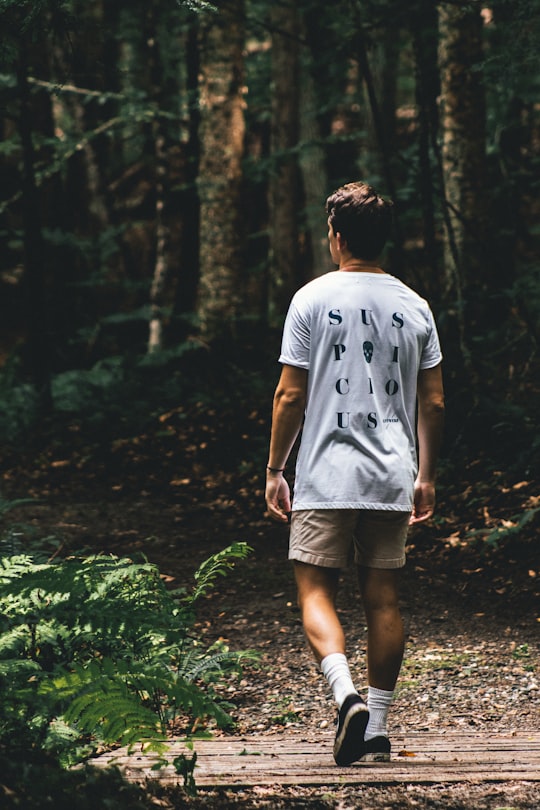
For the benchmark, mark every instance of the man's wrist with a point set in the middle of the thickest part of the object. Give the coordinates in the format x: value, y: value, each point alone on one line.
x: 275, y: 470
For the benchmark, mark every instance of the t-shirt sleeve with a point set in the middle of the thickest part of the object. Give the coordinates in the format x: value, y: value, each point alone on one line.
x: 295, y: 344
x: 431, y: 353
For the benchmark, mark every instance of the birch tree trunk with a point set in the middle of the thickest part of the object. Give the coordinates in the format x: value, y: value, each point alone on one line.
x: 285, y: 274
x: 222, y: 130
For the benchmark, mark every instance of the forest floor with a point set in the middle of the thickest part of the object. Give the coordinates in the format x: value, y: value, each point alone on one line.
x: 469, y: 595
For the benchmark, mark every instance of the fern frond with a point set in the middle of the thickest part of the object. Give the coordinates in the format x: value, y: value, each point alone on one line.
x: 12, y: 668
x: 217, y: 565
x: 6, y: 505
x: 13, y: 640
x: 16, y: 566
x: 186, y: 696
x: 108, y: 708
x: 102, y: 645
x: 215, y: 662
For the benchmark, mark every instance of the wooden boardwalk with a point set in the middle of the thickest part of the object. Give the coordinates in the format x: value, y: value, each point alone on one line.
x: 294, y: 759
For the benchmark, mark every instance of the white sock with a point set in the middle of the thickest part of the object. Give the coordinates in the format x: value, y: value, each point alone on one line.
x: 378, y: 702
x: 336, y: 671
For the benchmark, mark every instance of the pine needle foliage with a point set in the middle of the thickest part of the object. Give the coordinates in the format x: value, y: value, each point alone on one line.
x: 98, y: 651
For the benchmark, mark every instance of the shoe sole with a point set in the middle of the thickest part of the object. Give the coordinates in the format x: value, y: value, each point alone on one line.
x: 379, y: 756
x: 350, y: 746
x: 377, y: 750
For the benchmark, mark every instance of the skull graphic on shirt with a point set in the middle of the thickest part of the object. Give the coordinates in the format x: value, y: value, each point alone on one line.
x: 368, y: 350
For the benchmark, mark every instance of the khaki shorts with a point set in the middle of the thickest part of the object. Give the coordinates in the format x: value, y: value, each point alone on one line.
x: 326, y: 537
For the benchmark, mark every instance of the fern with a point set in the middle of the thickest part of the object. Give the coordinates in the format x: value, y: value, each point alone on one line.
x: 218, y: 565
x: 106, y: 706
x: 185, y: 766
x: 97, y: 651
x: 10, y: 667
x: 216, y: 660
x: 7, y: 506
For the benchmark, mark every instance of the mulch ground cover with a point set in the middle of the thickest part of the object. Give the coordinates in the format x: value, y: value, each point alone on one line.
x: 469, y: 595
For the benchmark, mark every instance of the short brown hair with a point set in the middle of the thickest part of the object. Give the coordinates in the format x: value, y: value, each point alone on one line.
x: 363, y: 219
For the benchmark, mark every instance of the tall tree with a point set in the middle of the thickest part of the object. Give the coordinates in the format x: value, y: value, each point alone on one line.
x: 159, y: 139
x: 383, y: 53
x: 512, y: 75
x: 464, y: 140
x: 34, y: 246
x: 380, y: 133
x: 423, y: 23
x: 188, y: 264
x: 323, y: 88
x: 21, y: 24
x: 284, y: 186
x: 312, y: 164
x: 222, y: 130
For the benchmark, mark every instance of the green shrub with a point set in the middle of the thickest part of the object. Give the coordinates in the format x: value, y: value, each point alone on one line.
x: 98, y: 651
x: 511, y: 530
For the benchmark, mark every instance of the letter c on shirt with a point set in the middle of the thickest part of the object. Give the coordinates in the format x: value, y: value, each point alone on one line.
x: 342, y: 386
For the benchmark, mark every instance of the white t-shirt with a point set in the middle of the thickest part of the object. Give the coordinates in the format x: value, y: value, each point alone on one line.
x: 363, y: 337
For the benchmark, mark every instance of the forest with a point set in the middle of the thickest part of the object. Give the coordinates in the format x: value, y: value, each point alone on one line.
x: 164, y: 169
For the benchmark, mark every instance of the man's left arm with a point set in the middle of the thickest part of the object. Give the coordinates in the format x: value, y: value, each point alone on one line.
x: 429, y: 429
x: 287, y: 417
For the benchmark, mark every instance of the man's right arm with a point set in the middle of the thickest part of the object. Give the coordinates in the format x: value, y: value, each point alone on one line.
x: 429, y: 429
x: 287, y: 418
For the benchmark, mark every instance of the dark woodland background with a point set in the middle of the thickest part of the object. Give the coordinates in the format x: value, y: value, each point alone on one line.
x: 164, y: 171
x: 164, y: 168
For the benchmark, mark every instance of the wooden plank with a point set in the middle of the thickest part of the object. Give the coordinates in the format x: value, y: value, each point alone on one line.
x: 307, y: 760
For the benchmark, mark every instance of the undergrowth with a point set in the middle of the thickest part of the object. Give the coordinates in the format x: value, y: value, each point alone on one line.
x: 96, y: 651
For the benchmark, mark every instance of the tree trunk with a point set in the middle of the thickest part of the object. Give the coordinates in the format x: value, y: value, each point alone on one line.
x: 463, y: 128
x: 463, y: 178
x: 285, y: 276
x: 314, y: 175
x: 222, y: 129
x: 424, y: 29
x: 398, y: 259
x: 383, y: 55
x: 514, y: 136
x: 188, y: 265
x: 34, y: 247
x: 161, y: 265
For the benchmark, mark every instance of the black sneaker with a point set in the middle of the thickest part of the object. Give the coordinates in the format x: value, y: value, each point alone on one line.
x: 353, y: 718
x: 376, y: 750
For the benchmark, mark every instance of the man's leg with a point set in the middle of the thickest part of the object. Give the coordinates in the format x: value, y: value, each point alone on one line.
x: 317, y: 590
x: 385, y: 644
x: 385, y: 640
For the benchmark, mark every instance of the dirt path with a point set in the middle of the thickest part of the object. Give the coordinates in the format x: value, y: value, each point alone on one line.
x: 471, y: 661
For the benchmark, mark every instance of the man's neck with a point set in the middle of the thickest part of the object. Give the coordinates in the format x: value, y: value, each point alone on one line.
x: 350, y: 264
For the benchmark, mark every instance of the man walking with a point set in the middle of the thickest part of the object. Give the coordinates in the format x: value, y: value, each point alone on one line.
x: 361, y: 376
